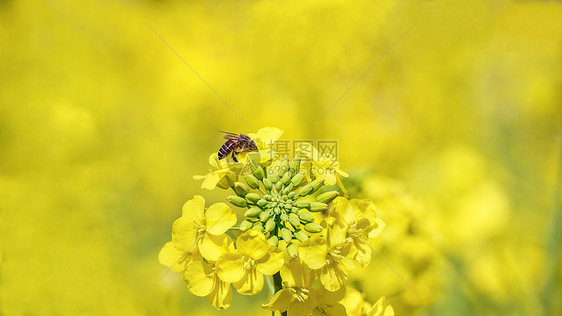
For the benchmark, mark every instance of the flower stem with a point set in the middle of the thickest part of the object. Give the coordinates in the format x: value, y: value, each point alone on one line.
x: 278, y: 285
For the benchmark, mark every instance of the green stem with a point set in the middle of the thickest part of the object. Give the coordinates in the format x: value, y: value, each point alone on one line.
x: 278, y: 284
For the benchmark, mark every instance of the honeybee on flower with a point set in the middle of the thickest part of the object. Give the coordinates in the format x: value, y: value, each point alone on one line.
x: 296, y: 234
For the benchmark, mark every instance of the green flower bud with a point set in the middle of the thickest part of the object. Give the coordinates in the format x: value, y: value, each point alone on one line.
x: 292, y: 250
x: 294, y: 210
x: 246, y: 225
x: 278, y: 186
x: 286, y: 178
x: 291, y: 195
x: 303, y: 204
x: 301, y: 235
x: 267, y: 197
x: 317, y: 184
x: 257, y: 170
x: 286, y: 234
x: 277, y: 210
x: 284, y: 167
x: 261, y: 203
x: 285, y: 191
x: 259, y: 226
x: 294, y: 166
x: 253, y: 197
x: 289, y: 187
x: 306, y: 217
x: 237, y: 201
x: 318, y: 206
x: 269, y: 225
x: 297, y: 179
x: 273, y: 240
x: 284, y: 217
x: 267, y: 184
x: 253, y: 212
x: 313, y: 228
x: 327, y: 197
x: 264, y: 216
x: 272, y: 177
x: 305, y: 190
x: 241, y: 188
x: 252, y: 181
x: 295, y: 222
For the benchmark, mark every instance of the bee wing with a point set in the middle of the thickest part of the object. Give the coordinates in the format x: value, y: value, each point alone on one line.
x: 229, y: 135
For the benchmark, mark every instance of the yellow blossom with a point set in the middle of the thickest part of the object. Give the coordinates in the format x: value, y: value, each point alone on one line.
x: 175, y: 259
x: 253, y: 258
x: 330, y: 254
x: 221, y: 175
x: 203, y: 228
x: 202, y: 280
x: 298, y: 298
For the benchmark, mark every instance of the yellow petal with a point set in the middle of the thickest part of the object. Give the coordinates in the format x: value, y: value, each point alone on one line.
x: 219, y: 218
x: 313, y: 252
x: 337, y: 230
x: 266, y: 136
x: 378, y: 228
x: 198, y: 279
x: 184, y: 234
x: 335, y: 310
x: 389, y: 311
x: 230, y: 267
x: 210, y: 181
x: 221, y: 296
x: 193, y: 209
x: 271, y: 262
x: 325, y: 297
x: 297, y: 274
x: 301, y: 308
x: 333, y: 276
x: 252, y: 243
x: 363, y: 252
x: 376, y: 310
x: 329, y: 177
x: 212, y: 247
x: 250, y: 284
x: 173, y: 258
x: 280, y: 301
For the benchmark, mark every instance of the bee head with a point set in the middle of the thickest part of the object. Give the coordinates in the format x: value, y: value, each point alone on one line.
x: 251, y: 145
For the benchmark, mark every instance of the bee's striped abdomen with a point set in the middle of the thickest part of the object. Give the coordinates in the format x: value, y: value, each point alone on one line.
x: 226, y: 148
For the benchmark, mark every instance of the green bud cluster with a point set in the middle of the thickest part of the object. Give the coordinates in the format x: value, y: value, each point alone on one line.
x: 276, y: 205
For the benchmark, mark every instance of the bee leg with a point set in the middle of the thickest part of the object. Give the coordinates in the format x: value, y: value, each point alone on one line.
x: 234, y: 156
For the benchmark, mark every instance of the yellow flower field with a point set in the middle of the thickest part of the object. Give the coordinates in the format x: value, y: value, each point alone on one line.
x: 440, y: 195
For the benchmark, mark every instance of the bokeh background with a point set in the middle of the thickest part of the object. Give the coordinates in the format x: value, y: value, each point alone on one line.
x: 455, y: 134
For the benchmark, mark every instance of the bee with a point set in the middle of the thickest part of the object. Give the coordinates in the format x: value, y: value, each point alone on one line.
x: 236, y: 142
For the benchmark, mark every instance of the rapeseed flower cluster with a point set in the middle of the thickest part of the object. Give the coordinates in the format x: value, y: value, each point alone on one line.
x: 292, y: 231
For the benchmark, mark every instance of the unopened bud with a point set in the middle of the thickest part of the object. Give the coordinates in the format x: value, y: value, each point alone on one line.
x: 301, y: 235
x: 292, y: 250
x: 273, y: 240
x: 327, y: 197
x: 306, y: 217
x: 261, y: 203
x: 246, y: 225
x: 297, y: 179
x: 295, y: 222
x: 253, y: 197
x: 269, y: 225
x: 252, y: 181
x: 257, y: 170
x: 253, y: 212
x: 313, y: 228
x: 286, y: 178
x: 303, y: 204
x: 264, y: 216
x: 286, y: 234
x: 318, y: 206
x: 267, y: 184
x: 258, y: 226
x: 237, y: 201
x: 241, y: 188
x: 316, y: 184
x: 305, y: 190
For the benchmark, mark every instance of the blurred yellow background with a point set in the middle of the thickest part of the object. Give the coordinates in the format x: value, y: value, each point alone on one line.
x: 455, y: 134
